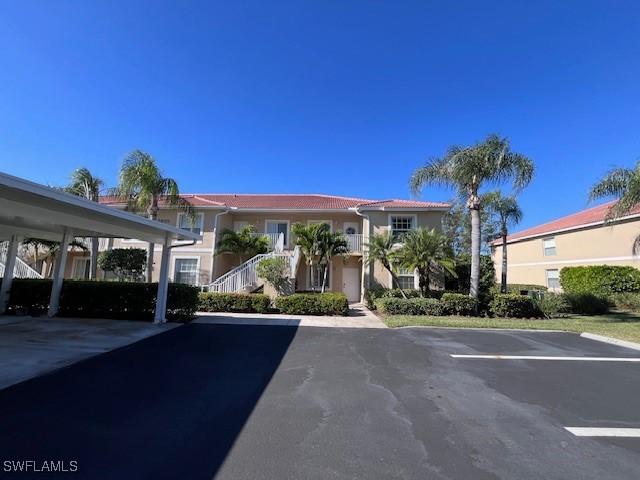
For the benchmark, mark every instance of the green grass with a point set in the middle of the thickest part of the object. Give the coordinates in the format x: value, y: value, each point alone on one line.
x: 624, y: 326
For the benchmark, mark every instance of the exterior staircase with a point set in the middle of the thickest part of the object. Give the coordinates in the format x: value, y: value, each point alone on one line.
x: 21, y: 269
x: 244, y: 278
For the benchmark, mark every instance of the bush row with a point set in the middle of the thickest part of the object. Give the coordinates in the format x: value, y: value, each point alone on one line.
x: 600, y: 280
x: 92, y: 299
x: 449, y: 304
x: 329, y: 303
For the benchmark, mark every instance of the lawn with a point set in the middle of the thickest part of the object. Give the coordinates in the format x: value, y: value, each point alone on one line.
x: 624, y: 326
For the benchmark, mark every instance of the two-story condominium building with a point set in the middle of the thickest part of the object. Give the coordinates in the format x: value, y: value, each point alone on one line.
x: 536, y: 255
x: 273, y: 216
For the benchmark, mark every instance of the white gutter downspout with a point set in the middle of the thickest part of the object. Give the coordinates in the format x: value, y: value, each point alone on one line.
x: 215, y: 239
x: 365, y: 249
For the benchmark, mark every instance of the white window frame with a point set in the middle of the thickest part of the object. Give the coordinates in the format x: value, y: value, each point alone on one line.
x: 329, y: 284
x: 288, y: 222
x: 544, y: 249
x: 546, y: 277
x: 185, y: 257
x: 416, y: 283
x: 200, y: 222
x: 411, y: 215
x: 76, y: 262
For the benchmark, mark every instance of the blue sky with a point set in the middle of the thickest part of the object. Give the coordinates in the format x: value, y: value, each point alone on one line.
x: 340, y: 97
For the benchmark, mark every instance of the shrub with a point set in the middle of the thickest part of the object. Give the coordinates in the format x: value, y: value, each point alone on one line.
x: 329, y: 303
x: 125, y: 263
x: 91, y: 299
x: 587, y: 303
x: 553, y: 305
x: 412, y: 306
x: 459, y: 304
x: 275, y: 271
x: 371, y: 295
x: 626, y: 301
x: 513, y: 305
x: 233, y: 302
x: 600, y: 280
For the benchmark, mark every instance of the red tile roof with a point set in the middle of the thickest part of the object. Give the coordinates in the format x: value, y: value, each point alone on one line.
x: 293, y: 202
x: 590, y: 216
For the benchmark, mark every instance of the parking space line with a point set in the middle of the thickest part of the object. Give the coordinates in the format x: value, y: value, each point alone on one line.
x: 604, y: 432
x: 536, y: 357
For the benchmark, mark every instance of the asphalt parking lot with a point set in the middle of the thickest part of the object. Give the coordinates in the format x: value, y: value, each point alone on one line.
x: 251, y: 402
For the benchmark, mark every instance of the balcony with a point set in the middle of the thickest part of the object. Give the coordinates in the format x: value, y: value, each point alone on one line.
x: 272, y: 237
x: 355, y: 241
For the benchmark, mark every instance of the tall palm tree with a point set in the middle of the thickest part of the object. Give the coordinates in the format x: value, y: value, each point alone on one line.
x: 142, y: 186
x: 309, y: 239
x: 49, y: 250
x: 507, y: 212
x: 623, y: 184
x: 381, y: 248
x: 467, y: 170
x: 428, y: 252
x: 244, y: 244
x: 85, y: 184
x: 332, y: 244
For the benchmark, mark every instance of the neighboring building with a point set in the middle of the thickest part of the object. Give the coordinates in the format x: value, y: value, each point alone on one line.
x: 273, y: 216
x: 536, y: 255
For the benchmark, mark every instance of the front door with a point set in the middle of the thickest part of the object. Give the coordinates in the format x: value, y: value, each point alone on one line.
x: 351, y: 283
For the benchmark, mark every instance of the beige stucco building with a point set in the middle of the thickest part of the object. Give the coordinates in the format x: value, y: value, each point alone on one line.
x: 536, y: 255
x: 273, y: 216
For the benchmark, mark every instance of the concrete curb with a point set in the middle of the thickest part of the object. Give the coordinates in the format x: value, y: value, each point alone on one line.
x: 612, y: 341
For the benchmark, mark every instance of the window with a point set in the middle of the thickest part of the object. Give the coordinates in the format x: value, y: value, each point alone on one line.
x: 553, y: 279
x: 317, y: 273
x: 406, y: 279
x: 279, y: 226
x: 186, y: 271
x: 81, y: 268
x: 549, y: 246
x: 194, y: 225
x: 401, y: 225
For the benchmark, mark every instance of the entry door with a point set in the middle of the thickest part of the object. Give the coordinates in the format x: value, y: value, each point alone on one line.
x: 351, y: 283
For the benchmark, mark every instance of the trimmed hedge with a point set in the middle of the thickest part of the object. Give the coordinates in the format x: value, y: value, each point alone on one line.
x: 627, y: 301
x: 600, y: 280
x: 412, y: 306
x: 459, y: 304
x: 94, y: 299
x: 233, y: 302
x: 587, y: 304
x: 328, y: 303
x: 513, y: 305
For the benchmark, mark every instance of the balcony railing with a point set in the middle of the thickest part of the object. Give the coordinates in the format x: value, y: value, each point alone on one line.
x: 354, y: 240
x: 273, y: 238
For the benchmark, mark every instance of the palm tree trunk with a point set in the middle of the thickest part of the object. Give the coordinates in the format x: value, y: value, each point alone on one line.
x: 93, y: 272
x: 324, y: 278
x: 394, y: 279
x: 475, y: 251
x: 153, y: 215
x: 503, y: 283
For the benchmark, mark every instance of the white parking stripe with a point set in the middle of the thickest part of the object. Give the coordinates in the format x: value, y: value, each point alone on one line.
x: 535, y: 357
x: 604, y: 432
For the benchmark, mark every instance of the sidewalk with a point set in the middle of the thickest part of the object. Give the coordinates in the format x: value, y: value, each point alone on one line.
x: 359, y: 317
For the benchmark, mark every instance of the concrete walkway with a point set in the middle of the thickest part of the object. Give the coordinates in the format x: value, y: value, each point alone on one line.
x: 359, y: 317
x: 32, y: 346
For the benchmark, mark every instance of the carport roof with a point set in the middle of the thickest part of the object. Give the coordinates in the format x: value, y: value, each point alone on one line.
x: 34, y: 210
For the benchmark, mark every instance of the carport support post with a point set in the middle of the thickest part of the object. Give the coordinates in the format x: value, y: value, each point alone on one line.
x: 58, y: 273
x: 9, y: 266
x: 163, y: 284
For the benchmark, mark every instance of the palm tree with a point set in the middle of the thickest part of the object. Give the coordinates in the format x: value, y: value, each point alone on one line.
x: 332, y: 244
x: 381, y: 249
x: 309, y: 239
x: 426, y: 251
x: 623, y: 184
x: 507, y: 211
x: 50, y: 250
x: 142, y: 186
x: 85, y: 184
x: 245, y: 244
x: 467, y: 170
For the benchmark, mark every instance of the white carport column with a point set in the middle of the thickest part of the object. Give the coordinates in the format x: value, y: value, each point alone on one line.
x: 9, y: 266
x: 58, y: 273
x: 163, y: 284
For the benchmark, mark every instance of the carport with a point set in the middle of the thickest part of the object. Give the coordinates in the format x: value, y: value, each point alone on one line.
x: 29, y: 209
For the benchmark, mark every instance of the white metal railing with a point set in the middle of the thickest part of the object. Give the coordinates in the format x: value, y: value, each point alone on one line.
x: 354, y: 240
x: 242, y: 276
x: 294, y: 261
x: 273, y: 238
x: 21, y: 269
x: 278, y: 247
